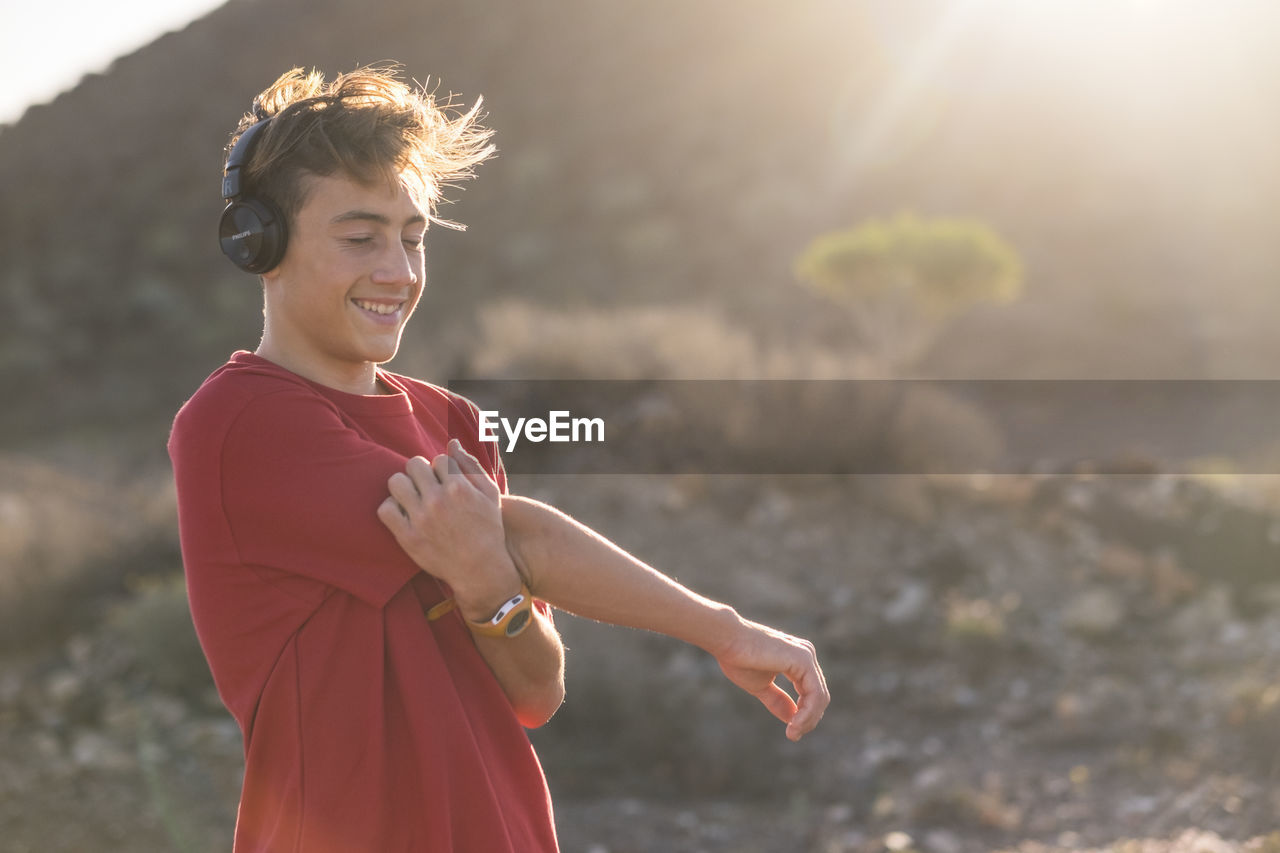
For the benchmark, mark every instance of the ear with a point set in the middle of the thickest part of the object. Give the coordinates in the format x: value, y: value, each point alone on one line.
x: 270, y: 276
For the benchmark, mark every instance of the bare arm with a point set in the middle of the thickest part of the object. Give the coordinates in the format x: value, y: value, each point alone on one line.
x: 451, y: 526
x: 530, y: 668
x: 434, y: 513
x: 577, y: 570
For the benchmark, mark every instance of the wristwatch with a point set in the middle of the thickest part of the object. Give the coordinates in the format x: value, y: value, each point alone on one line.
x: 512, y: 617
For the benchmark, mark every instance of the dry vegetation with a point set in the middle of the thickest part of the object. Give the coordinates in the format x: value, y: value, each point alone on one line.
x: 1031, y: 664
x: 741, y: 417
x: 1009, y: 670
x: 69, y: 536
x: 521, y: 340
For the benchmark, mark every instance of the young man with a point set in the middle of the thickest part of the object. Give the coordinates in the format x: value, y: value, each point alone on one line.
x: 373, y: 604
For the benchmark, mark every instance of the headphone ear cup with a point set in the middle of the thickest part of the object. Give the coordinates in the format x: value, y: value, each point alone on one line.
x: 252, y: 234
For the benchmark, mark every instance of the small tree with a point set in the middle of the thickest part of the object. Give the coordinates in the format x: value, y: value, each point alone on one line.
x: 903, y: 279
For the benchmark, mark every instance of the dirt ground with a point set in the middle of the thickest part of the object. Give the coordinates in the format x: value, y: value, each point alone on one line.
x: 1016, y: 663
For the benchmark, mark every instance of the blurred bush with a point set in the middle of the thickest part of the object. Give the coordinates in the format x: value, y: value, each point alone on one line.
x: 70, y: 535
x: 803, y: 424
x: 901, y: 280
x: 156, y: 625
x: 519, y: 340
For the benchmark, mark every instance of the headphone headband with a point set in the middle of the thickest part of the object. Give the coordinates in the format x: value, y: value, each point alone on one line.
x: 232, y: 184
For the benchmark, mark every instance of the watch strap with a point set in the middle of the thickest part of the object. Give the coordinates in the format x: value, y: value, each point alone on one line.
x: 511, y: 619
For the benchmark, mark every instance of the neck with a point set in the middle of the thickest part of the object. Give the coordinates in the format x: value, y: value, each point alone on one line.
x: 359, y: 379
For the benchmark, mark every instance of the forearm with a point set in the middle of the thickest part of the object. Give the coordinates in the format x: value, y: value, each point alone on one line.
x: 577, y: 570
x: 530, y: 669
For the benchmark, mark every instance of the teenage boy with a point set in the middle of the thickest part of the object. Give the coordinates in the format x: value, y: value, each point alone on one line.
x: 372, y: 603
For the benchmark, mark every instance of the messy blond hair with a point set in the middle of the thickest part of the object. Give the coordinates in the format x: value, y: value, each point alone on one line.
x: 366, y: 124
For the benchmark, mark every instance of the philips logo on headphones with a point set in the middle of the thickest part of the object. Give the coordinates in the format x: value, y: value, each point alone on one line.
x: 242, y: 235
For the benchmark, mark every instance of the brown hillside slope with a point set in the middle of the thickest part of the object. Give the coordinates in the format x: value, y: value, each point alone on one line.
x: 655, y: 151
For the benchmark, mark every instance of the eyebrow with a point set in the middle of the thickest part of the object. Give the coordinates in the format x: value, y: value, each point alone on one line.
x: 370, y: 216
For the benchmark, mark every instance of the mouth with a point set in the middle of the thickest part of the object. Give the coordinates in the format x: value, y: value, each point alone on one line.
x: 380, y: 310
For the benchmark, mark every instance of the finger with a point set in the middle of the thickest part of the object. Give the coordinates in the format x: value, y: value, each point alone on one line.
x: 442, y: 465
x: 422, y: 474
x: 811, y: 688
x: 392, y: 514
x: 471, y: 467
x: 404, y: 491
x: 809, y: 714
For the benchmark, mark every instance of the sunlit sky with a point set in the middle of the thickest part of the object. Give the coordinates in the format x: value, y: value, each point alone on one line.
x: 48, y: 46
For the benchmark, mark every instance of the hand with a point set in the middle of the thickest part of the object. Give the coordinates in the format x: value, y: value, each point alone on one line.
x: 450, y: 523
x: 758, y: 655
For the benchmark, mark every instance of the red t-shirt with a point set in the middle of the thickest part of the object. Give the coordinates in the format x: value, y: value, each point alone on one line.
x: 366, y: 727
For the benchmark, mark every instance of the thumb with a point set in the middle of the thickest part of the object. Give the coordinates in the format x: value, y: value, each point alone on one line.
x: 472, y: 470
x: 779, y: 703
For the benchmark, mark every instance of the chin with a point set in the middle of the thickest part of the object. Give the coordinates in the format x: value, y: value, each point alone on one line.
x: 384, y: 354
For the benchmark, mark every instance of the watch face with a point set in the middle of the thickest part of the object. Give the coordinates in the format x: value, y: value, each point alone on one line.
x: 517, y: 623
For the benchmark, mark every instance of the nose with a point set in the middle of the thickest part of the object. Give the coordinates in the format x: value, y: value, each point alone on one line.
x: 398, y: 266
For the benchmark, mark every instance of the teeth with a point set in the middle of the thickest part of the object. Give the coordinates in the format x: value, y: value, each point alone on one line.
x: 375, y: 307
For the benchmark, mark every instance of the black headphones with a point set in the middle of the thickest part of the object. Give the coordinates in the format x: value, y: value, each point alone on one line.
x: 252, y: 230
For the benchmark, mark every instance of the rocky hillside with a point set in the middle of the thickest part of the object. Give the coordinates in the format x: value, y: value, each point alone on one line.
x: 662, y: 151
x: 1039, y: 663
x: 1013, y: 664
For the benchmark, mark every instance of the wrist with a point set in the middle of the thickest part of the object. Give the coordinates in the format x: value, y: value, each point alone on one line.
x: 720, y: 631
x: 510, y: 619
x: 479, y: 600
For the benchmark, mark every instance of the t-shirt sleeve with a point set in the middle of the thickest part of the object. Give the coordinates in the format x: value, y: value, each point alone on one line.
x: 301, y: 489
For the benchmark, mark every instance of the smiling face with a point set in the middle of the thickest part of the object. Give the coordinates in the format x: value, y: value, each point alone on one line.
x: 351, y: 276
